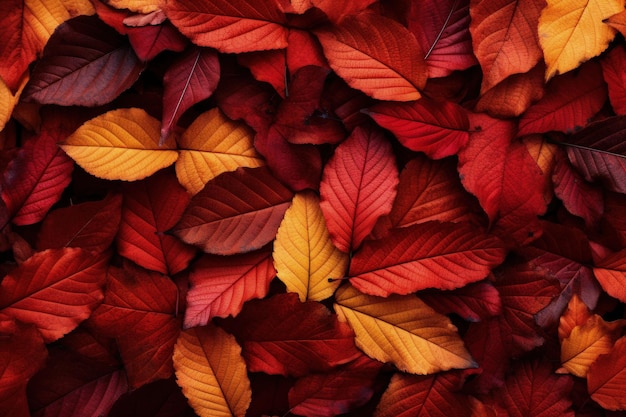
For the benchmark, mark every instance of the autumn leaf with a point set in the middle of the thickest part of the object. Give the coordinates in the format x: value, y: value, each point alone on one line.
x: 607, y: 376
x: 150, y: 40
x: 159, y: 397
x: 576, y: 314
x: 613, y: 71
x: 402, y: 330
x: 473, y: 302
x: 611, y: 273
x: 120, y: 145
x: 139, y: 6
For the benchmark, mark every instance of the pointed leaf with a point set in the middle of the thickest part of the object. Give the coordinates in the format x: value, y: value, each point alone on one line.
x: 284, y: 336
x: 221, y: 285
x: 376, y: 55
x: 8, y: 101
x: 120, y: 145
x: 402, y: 330
x: 214, y: 144
x: 211, y: 372
x: 55, y: 290
x: 232, y: 27
x: 611, y: 274
x: 268, y: 66
x: 150, y: 40
x: 607, y: 376
x: 358, y: 186
x: 576, y: 314
x: 236, y: 212
x: 151, y: 207
x: 571, y: 32
x: 76, y: 63
x: 304, y: 255
x: 191, y: 78
x: 336, y: 11
x: 427, y: 255
x: 474, y: 302
x: 438, y: 129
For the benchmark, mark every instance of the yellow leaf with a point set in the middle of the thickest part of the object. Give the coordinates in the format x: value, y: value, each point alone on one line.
x: 122, y: 144
x: 8, y: 100
x: 211, y: 372
x: 403, y: 330
x: 573, y: 31
x: 214, y: 144
x: 43, y: 16
x: 304, y: 255
x: 586, y: 342
x: 138, y: 6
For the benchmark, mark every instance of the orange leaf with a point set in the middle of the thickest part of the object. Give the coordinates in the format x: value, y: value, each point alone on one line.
x: 611, y: 274
x: 376, y: 55
x: 139, y: 6
x: 577, y: 314
x: 607, y: 378
x: 211, y: 372
x: 618, y: 21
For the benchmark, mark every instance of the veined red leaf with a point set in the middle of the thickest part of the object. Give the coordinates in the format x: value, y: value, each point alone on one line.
x: 91, y: 344
x: 611, y: 274
x: 599, y: 152
x: 35, y: 179
x: 568, y: 104
x: 473, y: 302
x: 232, y: 27
x: 221, y: 285
x: 376, y: 55
x: 91, y: 225
x: 191, y: 78
x: 235, y: 212
x: 613, y: 64
x: 442, y: 30
x: 139, y: 310
x: 505, y: 37
x: 358, y: 186
x: 282, y: 335
x: 428, y: 396
x: 161, y: 398
x: 337, y: 392
x: 55, y: 290
x: 76, y: 62
x: 607, y: 376
x: 150, y: 40
x: 151, y: 207
x: 426, y: 255
x: 268, y: 66
x: 438, y: 129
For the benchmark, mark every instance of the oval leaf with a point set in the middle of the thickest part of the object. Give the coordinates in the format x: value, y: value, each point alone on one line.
x: 120, y: 145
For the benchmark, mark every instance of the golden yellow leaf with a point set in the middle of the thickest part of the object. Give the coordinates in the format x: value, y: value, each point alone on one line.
x: 211, y: 372
x: 122, y: 144
x: 214, y: 144
x: 403, y: 330
x: 304, y: 255
x: 43, y: 16
x: 586, y: 342
x: 139, y: 6
x: 573, y: 31
x: 8, y: 100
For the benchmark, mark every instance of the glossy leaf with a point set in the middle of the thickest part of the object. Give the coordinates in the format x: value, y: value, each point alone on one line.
x: 607, y: 376
x: 240, y: 26
x: 236, y: 212
x: 427, y: 255
x: 211, y: 145
x: 151, y: 207
x: 76, y: 62
x: 304, y: 255
x: 571, y: 32
x: 437, y: 129
x: 55, y: 290
x: 358, y: 186
x: 375, y: 55
x: 221, y: 285
x: 402, y: 330
x: 188, y: 80
x: 120, y: 145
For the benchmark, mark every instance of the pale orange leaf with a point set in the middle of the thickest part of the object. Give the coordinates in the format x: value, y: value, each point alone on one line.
x: 138, y: 6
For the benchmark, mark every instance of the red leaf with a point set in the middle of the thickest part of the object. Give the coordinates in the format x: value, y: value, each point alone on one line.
x: 35, y: 179
x: 358, y: 186
x: 336, y: 11
x: 534, y: 390
x: 268, y: 66
x: 492, y: 353
x: 304, y: 49
x: 239, y: 26
x: 504, y: 177
x: 337, y: 392
x: 426, y: 255
x: 76, y: 62
x: 607, y: 376
x: 161, y: 398
x: 55, y: 290
x: 613, y: 64
x: 191, y: 78
x: 438, y: 129
x: 235, y: 212
x: 570, y: 101
x: 281, y: 335
x: 151, y: 207
x: 599, y: 152
x: 221, y: 285
x: 610, y: 272
x: 91, y: 225
x: 150, y: 40
x: 474, y: 302
x: 139, y: 310
x: 269, y: 395
x: 442, y: 30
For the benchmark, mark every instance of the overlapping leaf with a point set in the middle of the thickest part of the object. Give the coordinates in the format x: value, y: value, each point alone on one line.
x: 236, y: 212
x: 150, y: 40
x: 613, y: 71
x: 122, y: 144
x: 160, y: 398
x: 402, y: 330
x: 611, y: 273
x: 607, y: 376
x: 213, y: 144
x: 473, y: 302
x: 358, y: 186
x: 576, y: 314
x: 426, y: 255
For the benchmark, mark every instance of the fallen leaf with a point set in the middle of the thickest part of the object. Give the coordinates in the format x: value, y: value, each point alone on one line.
x: 607, y: 376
